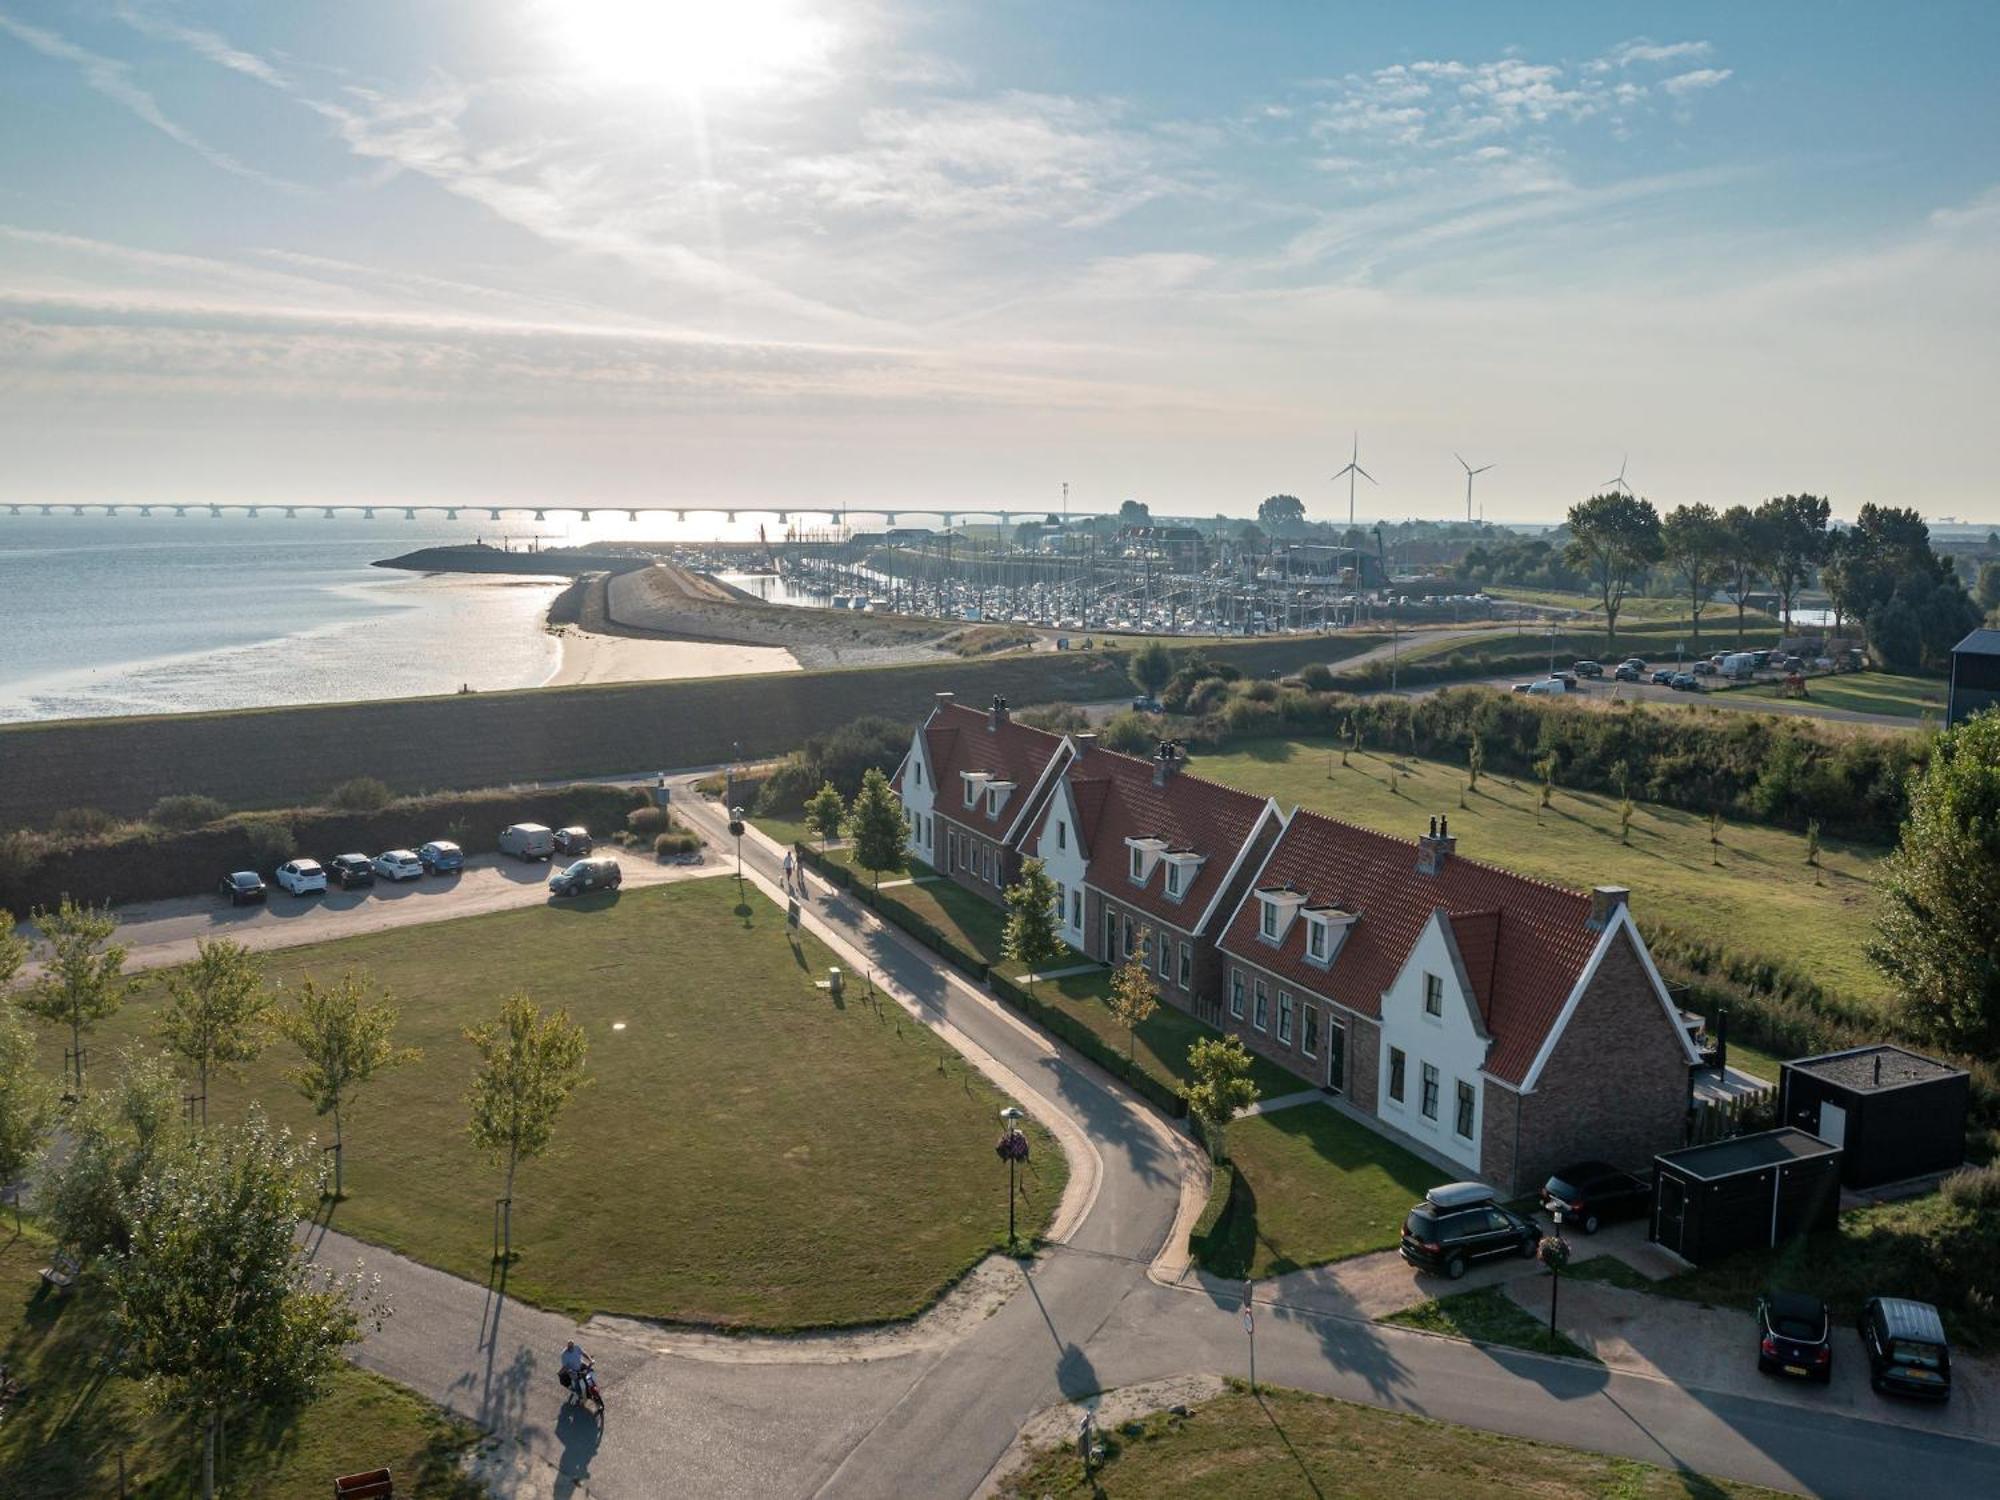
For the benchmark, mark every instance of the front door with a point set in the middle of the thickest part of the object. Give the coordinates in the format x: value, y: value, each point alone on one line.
x: 1110, y: 936
x: 1336, y: 1055
x: 1832, y: 1123
x: 1669, y: 1212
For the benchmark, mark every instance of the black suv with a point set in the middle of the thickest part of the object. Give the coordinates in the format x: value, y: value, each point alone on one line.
x: 1460, y: 1223
x: 351, y: 870
x: 1794, y: 1336
x: 1905, y: 1344
x: 586, y: 875
x: 1591, y: 1193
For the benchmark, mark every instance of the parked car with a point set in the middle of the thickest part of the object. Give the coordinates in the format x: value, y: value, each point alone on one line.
x: 586, y: 875
x: 1626, y: 672
x: 1146, y: 703
x: 243, y: 888
x: 527, y: 841
x: 1636, y: 663
x: 441, y: 857
x: 353, y: 870
x: 1906, y: 1348
x: 1685, y: 682
x: 1460, y: 1223
x: 399, y: 864
x: 1663, y: 676
x: 1794, y: 1336
x: 1703, y: 669
x: 1588, y: 669
x: 574, y: 840
x: 302, y: 876
x: 1593, y: 1193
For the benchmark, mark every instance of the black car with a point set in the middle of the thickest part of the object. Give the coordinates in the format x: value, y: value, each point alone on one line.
x: 1588, y: 669
x: 1906, y: 1348
x: 351, y: 870
x: 1626, y: 672
x: 1685, y: 682
x: 1460, y: 1223
x: 586, y: 875
x: 1662, y: 676
x: 1794, y: 1336
x: 1591, y: 1193
x: 244, y: 888
x: 574, y: 840
x: 1146, y: 703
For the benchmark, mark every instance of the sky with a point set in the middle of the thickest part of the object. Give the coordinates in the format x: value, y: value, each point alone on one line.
x: 797, y: 253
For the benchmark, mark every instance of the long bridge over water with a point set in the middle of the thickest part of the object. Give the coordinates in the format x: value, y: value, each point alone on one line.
x: 837, y: 516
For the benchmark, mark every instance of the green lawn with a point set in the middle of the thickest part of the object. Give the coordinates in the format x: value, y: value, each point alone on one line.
x: 749, y: 1153
x: 1313, y: 1186
x: 1760, y: 899
x: 66, y: 1437
x: 1492, y: 1317
x: 1282, y: 1445
x: 1873, y: 693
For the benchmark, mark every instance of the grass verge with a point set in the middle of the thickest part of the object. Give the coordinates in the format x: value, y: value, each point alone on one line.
x: 1490, y: 1316
x: 1873, y: 693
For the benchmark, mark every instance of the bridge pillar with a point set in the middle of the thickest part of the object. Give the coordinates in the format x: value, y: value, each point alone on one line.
x: 329, y: 513
x: 367, y: 512
x: 145, y: 510
x: 586, y: 515
x: 291, y: 513
x: 731, y: 516
x: 539, y: 516
x: 76, y: 510
x: 253, y: 512
x: 451, y: 512
x: 215, y: 513
x: 48, y: 510
x: 495, y: 514
x: 409, y: 514
x: 632, y: 516
x: 680, y: 515
x: 890, y: 516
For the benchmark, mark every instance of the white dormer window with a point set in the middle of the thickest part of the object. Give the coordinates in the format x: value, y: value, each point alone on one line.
x: 1316, y: 940
x: 976, y: 783
x: 1182, y: 867
x: 1173, y: 880
x: 997, y: 793
x: 1145, y: 853
x: 1138, y: 863
x: 1276, y: 910
x: 1326, y: 929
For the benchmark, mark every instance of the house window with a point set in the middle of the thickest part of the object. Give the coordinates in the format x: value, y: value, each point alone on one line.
x: 1138, y: 866
x: 1464, y: 1109
x: 1236, y: 993
x: 1128, y: 935
x: 1433, y: 995
x: 1187, y: 966
x: 971, y: 792
x: 1285, y: 1017
x: 1309, y: 1040
x: 1316, y: 940
x: 1260, y: 1017
x: 1166, y: 954
x: 1396, y: 1074
x: 992, y: 804
x: 1429, y: 1103
x: 1062, y: 835
x: 1173, y: 880
x: 1076, y: 910
x: 918, y: 769
x: 1268, y: 922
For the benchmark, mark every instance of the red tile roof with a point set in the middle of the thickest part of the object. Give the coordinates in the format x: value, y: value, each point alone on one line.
x: 1116, y: 800
x: 1524, y: 943
x: 960, y: 738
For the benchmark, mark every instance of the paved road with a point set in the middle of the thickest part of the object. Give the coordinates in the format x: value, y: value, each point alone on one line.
x: 1607, y: 690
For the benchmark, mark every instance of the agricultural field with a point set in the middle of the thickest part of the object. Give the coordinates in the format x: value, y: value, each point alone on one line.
x: 1754, y: 890
x: 748, y: 1151
x: 1873, y: 693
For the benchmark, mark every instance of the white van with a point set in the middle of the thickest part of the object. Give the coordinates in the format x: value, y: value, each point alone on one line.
x: 528, y: 841
x: 1740, y: 665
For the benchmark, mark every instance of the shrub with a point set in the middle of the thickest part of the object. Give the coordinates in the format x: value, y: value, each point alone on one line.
x: 1317, y: 676
x: 83, y: 822
x: 1129, y: 733
x: 271, y: 842
x: 1057, y: 718
x: 1262, y: 692
x: 648, y: 820
x: 186, y: 810
x: 683, y: 842
x: 362, y: 794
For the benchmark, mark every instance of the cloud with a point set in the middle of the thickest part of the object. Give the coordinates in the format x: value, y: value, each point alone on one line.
x: 113, y: 79
x: 1642, y: 50
x: 1683, y: 84
x: 208, y: 44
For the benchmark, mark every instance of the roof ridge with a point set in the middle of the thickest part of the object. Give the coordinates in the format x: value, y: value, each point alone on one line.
x: 1456, y: 858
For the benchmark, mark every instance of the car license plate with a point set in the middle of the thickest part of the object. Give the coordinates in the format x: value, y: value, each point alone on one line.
x: 1795, y: 1369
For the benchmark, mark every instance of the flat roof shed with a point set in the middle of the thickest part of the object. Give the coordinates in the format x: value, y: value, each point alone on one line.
x: 1749, y: 1192
x: 1975, y: 676
x: 1894, y: 1113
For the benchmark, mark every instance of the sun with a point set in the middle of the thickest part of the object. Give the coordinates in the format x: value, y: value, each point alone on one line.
x: 692, y: 46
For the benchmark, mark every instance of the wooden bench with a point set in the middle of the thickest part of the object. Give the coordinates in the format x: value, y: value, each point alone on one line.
x: 61, y: 1271
x: 376, y: 1484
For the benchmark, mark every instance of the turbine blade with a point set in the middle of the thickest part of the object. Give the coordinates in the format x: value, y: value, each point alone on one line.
x: 1463, y: 464
x: 1364, y: 473
x: 1484, y: 467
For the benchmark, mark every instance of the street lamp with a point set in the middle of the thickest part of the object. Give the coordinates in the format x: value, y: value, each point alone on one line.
x: 1014, y: 1147
x: 736, y: 827
x: 1554, y: 1253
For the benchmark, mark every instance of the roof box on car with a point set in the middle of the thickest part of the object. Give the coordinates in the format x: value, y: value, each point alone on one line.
x: 1459, y: 1195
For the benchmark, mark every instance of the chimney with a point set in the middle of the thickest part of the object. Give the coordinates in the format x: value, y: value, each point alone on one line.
x: 1435, y: 847
x: 1085, y: 741
x: 1878, y: 1070
x: 1166, y: 761
x: 944, y: 700
x: 1605, y: 900
x: 997, y: 715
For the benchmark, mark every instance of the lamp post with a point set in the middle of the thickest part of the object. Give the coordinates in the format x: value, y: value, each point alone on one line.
x: 1013, y: 1146
x: 736, y: 827
x: 1554, y: 1253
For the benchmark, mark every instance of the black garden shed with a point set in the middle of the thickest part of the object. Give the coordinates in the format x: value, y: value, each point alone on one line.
x: 1747, y: 1193
x: 1894, y: 1114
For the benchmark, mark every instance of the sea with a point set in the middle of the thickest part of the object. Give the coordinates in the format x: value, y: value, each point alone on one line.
x: 129, y: 614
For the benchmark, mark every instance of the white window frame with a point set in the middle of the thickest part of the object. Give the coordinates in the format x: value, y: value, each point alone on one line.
x: 1466, y: 1110
x: 1076, y: 909
x: 971, y: 791
x: 1173, y: 879
x: 1316, y: 940
x: 1136, y: 872
x: 1163, y: 960
x: 1399, y: 1076
x: 1430, y: 1092
x: 1434, y: 996
x: 1285, y: 1017
x: 1267, y: 920
x: 1309, y: 1030
x: 1187, y: 966
x: 1236, y: 994
x: 1260, y: 1005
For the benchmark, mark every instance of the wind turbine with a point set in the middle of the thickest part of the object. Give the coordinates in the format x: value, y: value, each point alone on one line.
x: 1348, y: 473
x: 1469, y: 472
x: 1618, y: 482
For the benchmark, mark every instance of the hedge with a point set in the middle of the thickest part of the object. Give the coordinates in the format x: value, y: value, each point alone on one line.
x: 1211, y: 1230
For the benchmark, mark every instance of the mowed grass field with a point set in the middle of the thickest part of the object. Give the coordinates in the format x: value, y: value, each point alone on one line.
x: 1761, y: 898
x: 64, y: 1441
x: 1282, y: 1445
x: 1874, y: 693
x: 749, y: 1153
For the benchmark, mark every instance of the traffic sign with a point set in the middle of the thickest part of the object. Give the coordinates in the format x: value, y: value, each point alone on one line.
x: 1249, y: 1321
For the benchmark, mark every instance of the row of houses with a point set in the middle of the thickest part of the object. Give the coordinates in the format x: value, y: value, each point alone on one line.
x: 1498, y: 1023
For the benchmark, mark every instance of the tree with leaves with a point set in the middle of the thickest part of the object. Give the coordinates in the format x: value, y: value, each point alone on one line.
x: 1937, y: 934
x: 1134, y: 996
x: 1796, y: 527
x: 1031, y: 937
x: 1220, y: 1088
x: 1134, y: 513
x: 1746, y: 553
x: 825, y: 812
x: 217, y: 1303
x: 878, y: 826
x: 1475, y: 760
x: 27, y: 1103
x: 116, y: 1136
x: 529, y: 1065
x: 13, y: 950
x: 1152, y: 668
x: 1694, y: 544
x: 345, y: 1036
x: 215, y: 1011
x: 1989, y: 585
x: 1279, y: 512
x: 83, y: 981
x: 1613, y: 540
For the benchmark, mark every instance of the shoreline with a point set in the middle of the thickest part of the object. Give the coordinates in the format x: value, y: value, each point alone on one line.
x: 584, y: 657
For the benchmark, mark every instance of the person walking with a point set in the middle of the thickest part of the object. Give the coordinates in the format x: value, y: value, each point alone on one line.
x: 789, y: 887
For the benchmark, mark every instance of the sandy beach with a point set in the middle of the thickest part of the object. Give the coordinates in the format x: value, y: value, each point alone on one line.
x: 615, y: 658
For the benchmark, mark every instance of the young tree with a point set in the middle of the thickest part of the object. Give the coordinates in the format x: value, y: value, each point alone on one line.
x: 1031, y: 936
x: 529, y: 1065
x: 1613, y: 539
x: 83, y: 982
x: 1989, y: 585
x: 1694, y: 544
x: 1746, y: 552
x: 1796, y: 526
x: 1937, y: 935
x: 116, y: 1137
x: 1475, y: 760
x: 1134, y: 997
x: 878, y: 826
x: 27, y: 1103
x: 1220, y: 1089
x: 217, y: 1303
x: 1278, y: 513
x: 344, y: 1036
x: 215, y: 1010
x: 1152, y: 668
x: 13, y: 950
x: 825, y: 812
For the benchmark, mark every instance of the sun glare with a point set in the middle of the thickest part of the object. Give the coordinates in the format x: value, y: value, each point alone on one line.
x: 697, y: 46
